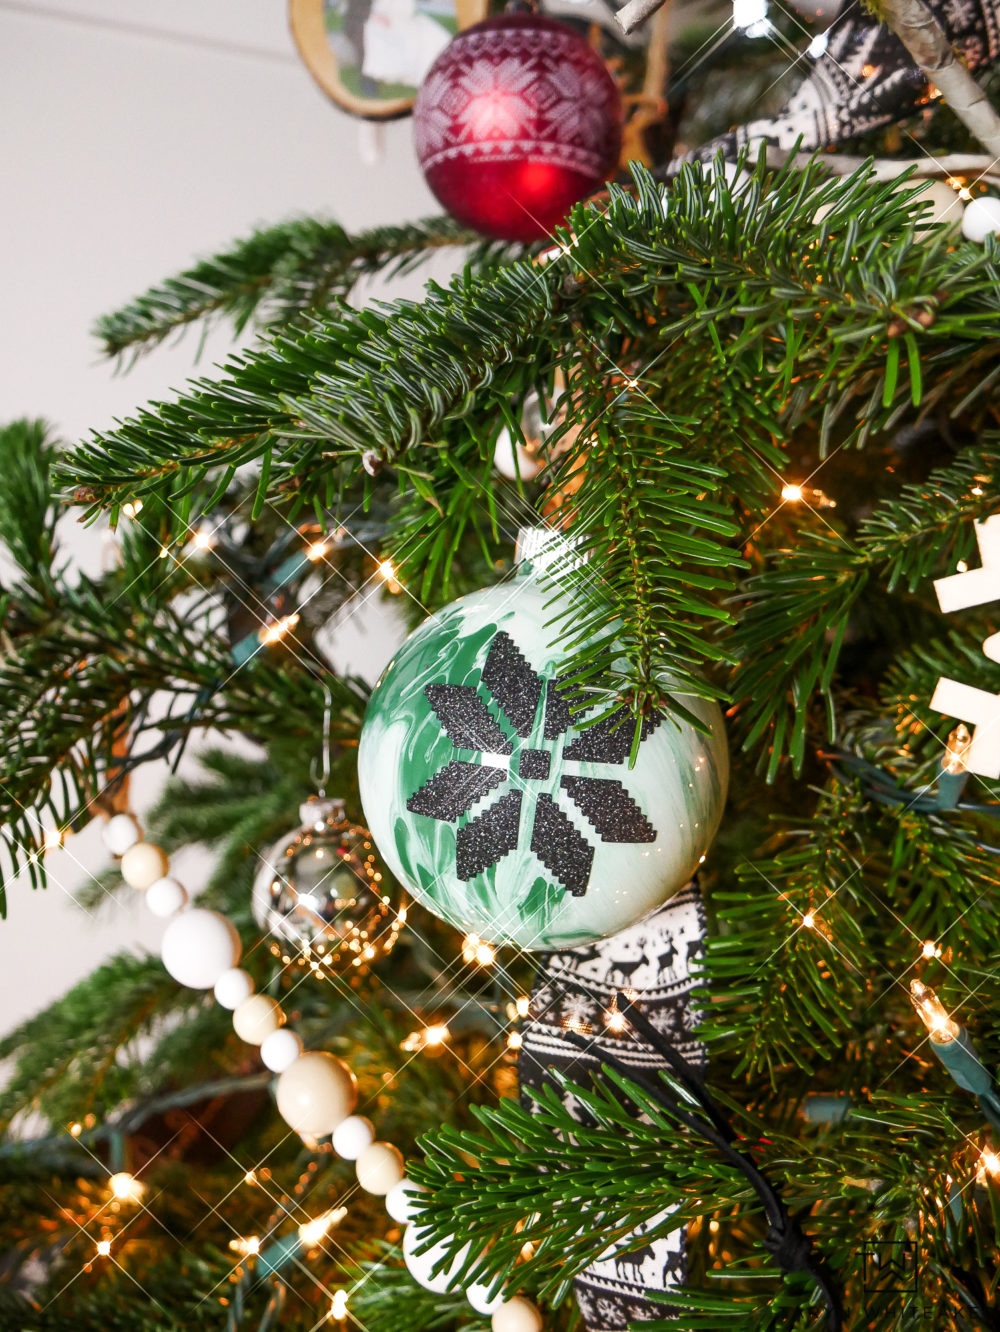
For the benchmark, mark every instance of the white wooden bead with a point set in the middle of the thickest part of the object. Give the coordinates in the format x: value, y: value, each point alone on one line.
x: 281, y: 1049
x: 419, y: 1264
x: 478, y: 1297
x: 199, y: 946
x: 166, y: 896
x: 316, y: 1093
x: 517, y: 1315
x: 143, y: 864
x: 380, y: 1168
x: 232, y: 987
x: 256, y: 1018
x: 353, y: 1137
x: 399, y: 1200
x: 121, y: 832
x: 981, y: 218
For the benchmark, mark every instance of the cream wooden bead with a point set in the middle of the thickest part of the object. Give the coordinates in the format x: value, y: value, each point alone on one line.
x: 143, y: 864
x: 232, y: 987
x: 380, y: 1168
x: 121, y: 832
x: 316, y: 1093
x: 257, y: 1017
x: 517, y: 1315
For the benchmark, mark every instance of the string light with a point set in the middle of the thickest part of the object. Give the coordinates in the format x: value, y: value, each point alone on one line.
x: 318, y: 550
x: 246, y: 1248
x: 930, y: 949
x: 614, y: 1020
x: 988, y: 1164
x: 275, y: 632
x: 792, y: 494
x: 809, y: 920
x: 134, y: 507
x: 522, y: 1005
x: 250, y: 1177
x: 942, y: 1028
x: 431, y: 1037
x: 338, y: 1309
x: 125, y: 1187
x: 956, y: 752
x: 514, y: 1040
x: 314, y: 1232
x: 203, y: 539
x: 485, y: 955
x: 75, y: 1129
x: 103, y: 1248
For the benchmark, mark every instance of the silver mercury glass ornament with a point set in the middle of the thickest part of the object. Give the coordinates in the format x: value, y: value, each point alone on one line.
x: 320, y: 893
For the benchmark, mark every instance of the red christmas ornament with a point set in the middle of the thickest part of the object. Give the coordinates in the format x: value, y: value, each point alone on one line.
x: 517, y: 120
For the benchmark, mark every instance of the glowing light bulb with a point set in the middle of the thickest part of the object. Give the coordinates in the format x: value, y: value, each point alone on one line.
x: 791, y: 493
x: 125, y: 1187
x: 203, y: 539
x: 317, y: 550
x: 247, y: 1248
x: 809, y: 920
x: 387, y: 571
x: 942, y: 1028
x: 338, y: 1309
x: 104, y: 1248
x: 75, y: 1129
x: 314, y: 1232
x: 956, y: 752
x: 989, y: 1163
x: 614, y: 1020
x: 930, y: 948
x: 485, y: 955
x: 436, y: 1034
x: 522, y: 1006
x: 274, y: 633
x: 134, y: 507
x: 514, y: 1040
x: 962, y: 567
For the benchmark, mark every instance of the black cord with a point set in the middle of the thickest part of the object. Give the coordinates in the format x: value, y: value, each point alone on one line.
x: 785, y: 1240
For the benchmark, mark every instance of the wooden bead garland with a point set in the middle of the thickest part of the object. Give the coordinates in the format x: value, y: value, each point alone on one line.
x: 315, y: 1092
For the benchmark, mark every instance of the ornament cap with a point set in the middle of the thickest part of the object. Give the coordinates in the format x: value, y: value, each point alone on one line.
x: 322, y: 809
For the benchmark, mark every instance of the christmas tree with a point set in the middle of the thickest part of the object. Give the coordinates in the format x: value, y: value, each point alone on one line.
x: 710, y: 466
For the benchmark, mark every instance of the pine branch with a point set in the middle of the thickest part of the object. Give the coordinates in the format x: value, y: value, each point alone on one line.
x: 277, y: 274
x: 729, y: 275
x: 798, y: 608
x: 770, y: 976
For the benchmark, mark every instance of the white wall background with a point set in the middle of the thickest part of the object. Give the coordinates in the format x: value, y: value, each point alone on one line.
x: 135, y: 136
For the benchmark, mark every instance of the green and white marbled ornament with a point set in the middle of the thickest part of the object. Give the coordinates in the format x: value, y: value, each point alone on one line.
x: 500, y: 815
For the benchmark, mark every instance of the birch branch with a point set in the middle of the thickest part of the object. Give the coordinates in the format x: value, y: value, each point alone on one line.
x: 928, y: 44
x: 635, y: 13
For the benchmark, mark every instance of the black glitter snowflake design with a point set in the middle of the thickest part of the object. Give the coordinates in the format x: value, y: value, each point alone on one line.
x: 519, y: 693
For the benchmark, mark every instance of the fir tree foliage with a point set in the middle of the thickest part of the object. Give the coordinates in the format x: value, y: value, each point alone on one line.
x: 711, y: 347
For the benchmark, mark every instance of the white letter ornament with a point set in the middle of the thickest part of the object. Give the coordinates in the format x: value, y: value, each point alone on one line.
x: 977, y: 707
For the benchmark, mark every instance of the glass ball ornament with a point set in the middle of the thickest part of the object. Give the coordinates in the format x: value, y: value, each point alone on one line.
x: 498, y: 810
x: 517, y: 120
x: 321, y: 893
